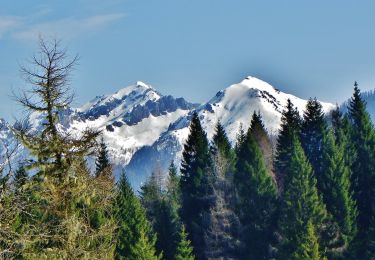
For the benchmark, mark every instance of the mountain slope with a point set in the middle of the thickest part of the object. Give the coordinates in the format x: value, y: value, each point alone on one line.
x: 145, y: 130
x: 233, y: 106
x: 130, y: 119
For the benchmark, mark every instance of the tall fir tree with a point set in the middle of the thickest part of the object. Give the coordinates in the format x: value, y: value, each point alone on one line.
x: 335, y: 187
x: 260, y: 135
x: 257, y: 197
x: 241, y: 135
x: 173, y: 201
x: 330, y: 168
x: 195, y: 184
x: 173, y: 188
x: 135, y: 238
x: 342, y: 130
x: 102, y: 161
x: 220, y: 141
x: 300, y: 206
x: 363, y: 168
x: 313, y: 132
x: 290, y: 126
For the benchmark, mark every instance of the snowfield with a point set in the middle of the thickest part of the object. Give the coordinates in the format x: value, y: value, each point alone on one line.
x: 145, y: 130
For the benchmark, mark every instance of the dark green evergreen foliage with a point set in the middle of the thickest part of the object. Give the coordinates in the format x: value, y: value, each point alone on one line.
x: 363, y: 167
x: 184, y: 249
x: 134, y: 234
x: 162, y: 211
x: 241, y: 135
x: 342, y: 130
x: 151, y: 194
x: 330, y: 167
x: 300, y: 205
x: 335, y: 187
x: 102, y: 161
x: 173, y: 188
x: 195, y: 183
x: 257, y: 198
x: 290, y: 126
x: 171, y: 205
x: 370, y: 246
x: 261, y: 137
x: 313, y: 132
x: 221, y: 149
x: 338, y: 125
x: 166, y: 229
x: 20, y: 177
x: 220, y: 141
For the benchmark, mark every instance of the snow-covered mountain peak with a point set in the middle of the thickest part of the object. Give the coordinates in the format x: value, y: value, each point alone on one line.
x: 139, y: 88
x: 257, y: 84
x: 141, y: 84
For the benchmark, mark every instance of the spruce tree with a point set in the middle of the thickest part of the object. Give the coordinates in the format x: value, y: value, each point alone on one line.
x: 221, y: 141
x: 102, y: 161
x: 173, y: 188
x: 290, y: 126
x: 241, y: 135
x: 171, y: 205
x: 336, y: 189
x: 314, y: 129
x: 184, y: 249
x: 257, y: 197
x: 195, y: 183
x: 134, y: 232
x: 330, y: 168
x: 342, y: 131
x: 313, y: 132
x: 338, y: 125
x: 363, y: 167
x: 300, y: 206
x: 261, y: 137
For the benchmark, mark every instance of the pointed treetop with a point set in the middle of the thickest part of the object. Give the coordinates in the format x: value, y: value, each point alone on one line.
x: 102, y: 161
x: 220, y: 140
x: 184, y: 249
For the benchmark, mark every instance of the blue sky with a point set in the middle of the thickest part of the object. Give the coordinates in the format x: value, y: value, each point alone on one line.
x: 193, y: 48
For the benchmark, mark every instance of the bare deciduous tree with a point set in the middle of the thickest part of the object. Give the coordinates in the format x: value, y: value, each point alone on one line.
x: 221, y: 237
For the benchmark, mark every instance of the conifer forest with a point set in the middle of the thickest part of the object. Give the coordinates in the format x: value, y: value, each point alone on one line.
x: 305, y: 192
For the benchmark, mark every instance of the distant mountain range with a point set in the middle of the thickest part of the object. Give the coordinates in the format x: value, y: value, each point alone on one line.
x: 145, y: 130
